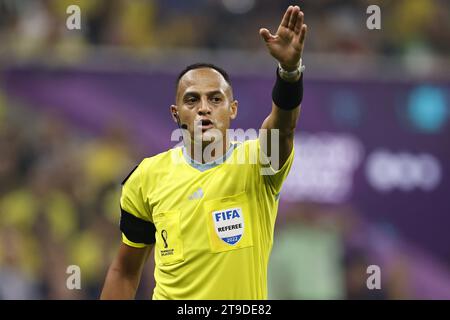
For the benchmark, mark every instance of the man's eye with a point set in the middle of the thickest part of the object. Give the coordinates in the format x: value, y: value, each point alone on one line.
x: 216, y: 99
x: 191, y: 100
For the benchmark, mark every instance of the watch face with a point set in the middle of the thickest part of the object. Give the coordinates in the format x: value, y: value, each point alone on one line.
x: 288, y: 75
x: 294, y: 72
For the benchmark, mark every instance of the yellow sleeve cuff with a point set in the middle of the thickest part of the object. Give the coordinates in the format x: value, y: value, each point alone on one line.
x: 131, y: 243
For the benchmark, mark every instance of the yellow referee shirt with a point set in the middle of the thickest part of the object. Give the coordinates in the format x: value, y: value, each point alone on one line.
x: 213, y: 223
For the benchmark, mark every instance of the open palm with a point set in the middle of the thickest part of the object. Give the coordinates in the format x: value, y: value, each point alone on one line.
x: 287, y: 44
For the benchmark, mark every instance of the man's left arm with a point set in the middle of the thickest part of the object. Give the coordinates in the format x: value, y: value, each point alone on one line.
x: 286, y: 46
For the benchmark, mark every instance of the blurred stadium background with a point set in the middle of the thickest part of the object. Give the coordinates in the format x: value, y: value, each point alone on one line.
x: 370, y: 183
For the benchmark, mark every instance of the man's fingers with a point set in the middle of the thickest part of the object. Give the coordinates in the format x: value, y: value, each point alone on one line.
x: 303, y: 33
x: 265, y: 34
x: 293, y: 17
x: 287, y: 15
x: 299, y: 23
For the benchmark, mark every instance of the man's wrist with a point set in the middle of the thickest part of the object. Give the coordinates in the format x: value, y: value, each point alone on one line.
x: 289, y: 74
x: 286, y: 94
x: 289, y: 68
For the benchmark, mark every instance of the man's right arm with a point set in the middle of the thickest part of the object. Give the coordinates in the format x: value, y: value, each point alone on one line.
x: 125, y: 272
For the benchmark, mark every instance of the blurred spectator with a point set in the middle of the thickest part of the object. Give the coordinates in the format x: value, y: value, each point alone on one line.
x: 58, y: 205
x: 306, y: 261
x: 335, y: 26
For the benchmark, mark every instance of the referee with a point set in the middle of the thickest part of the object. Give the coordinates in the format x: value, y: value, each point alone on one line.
x: 210, y: 219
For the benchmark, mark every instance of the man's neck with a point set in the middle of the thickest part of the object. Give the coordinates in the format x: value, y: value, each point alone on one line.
x: 207, y: 152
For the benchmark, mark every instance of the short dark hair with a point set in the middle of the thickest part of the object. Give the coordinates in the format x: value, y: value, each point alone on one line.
x: 200, y: 65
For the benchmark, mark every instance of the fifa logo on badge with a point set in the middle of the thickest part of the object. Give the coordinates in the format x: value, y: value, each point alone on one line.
x: 229, y: 225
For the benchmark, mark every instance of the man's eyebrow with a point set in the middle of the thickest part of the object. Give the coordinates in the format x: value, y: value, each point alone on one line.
x: 191, y: 93
x: 211, y: 93
x: 196, y: 93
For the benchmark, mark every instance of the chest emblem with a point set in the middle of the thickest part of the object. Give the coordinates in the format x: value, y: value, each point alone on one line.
x: 229, y: 224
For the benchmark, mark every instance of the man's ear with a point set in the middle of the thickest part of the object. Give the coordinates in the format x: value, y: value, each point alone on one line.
x: 233, y: 109
x: 174, y: 112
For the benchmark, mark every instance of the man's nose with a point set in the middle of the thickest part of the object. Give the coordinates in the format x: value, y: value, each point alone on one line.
x: 204, y: 107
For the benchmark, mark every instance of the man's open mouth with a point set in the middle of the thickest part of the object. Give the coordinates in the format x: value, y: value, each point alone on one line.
x: 205, y: 124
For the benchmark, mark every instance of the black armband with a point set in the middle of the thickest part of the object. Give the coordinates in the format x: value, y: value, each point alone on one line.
x: 137, y: 230
x: 287, y: 95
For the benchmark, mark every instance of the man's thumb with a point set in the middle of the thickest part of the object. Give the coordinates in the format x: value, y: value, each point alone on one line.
x: 265, y: 34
